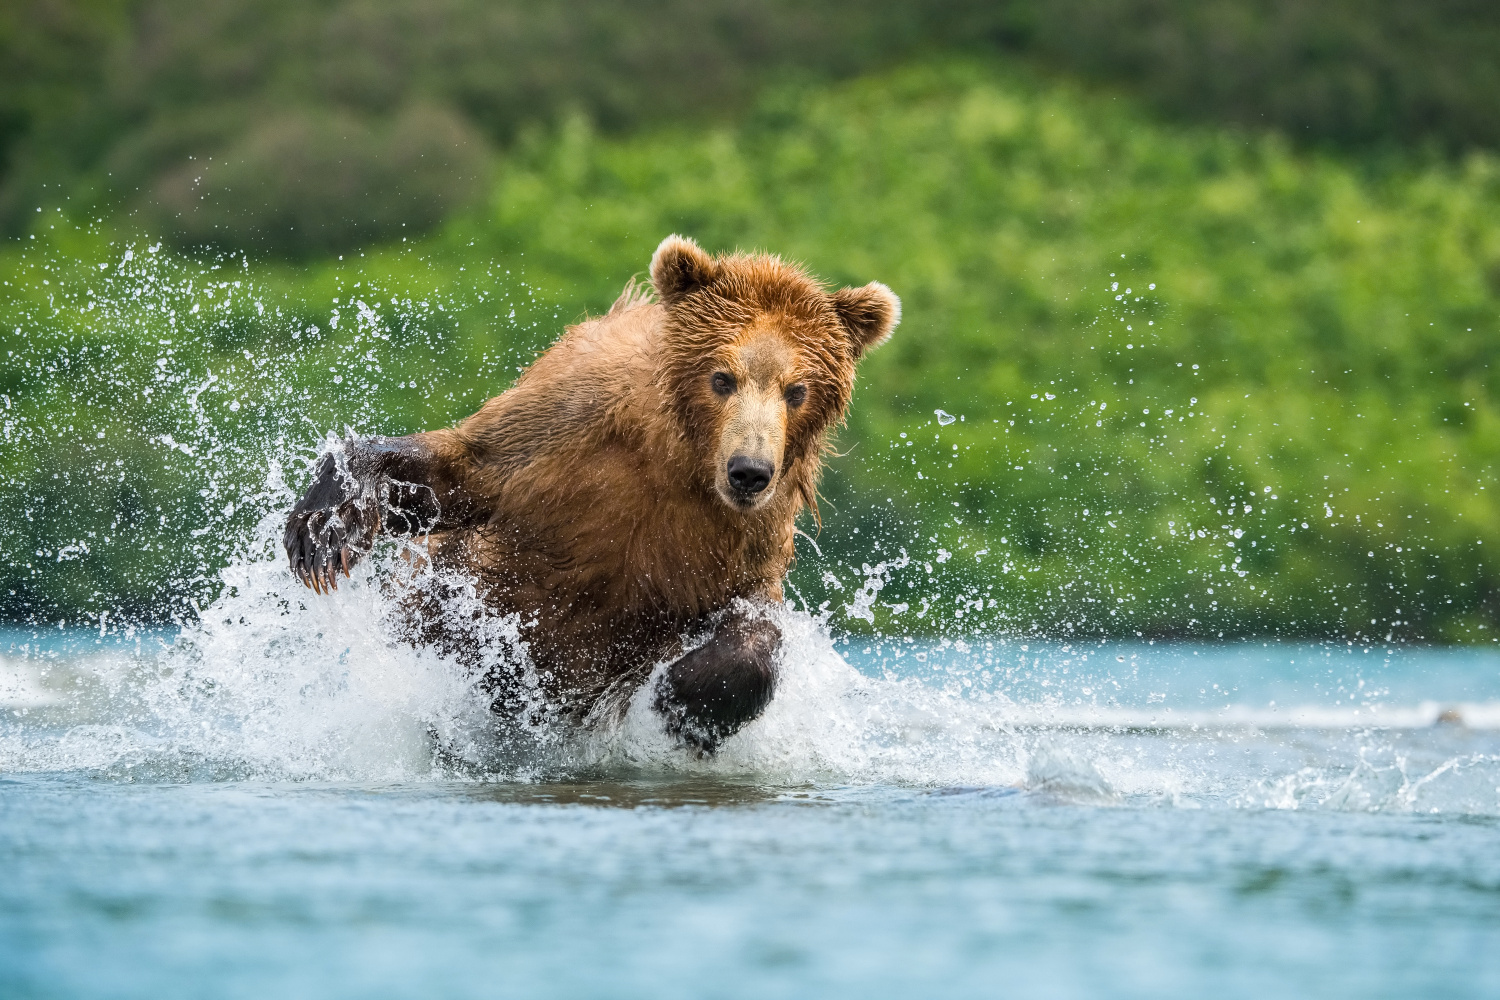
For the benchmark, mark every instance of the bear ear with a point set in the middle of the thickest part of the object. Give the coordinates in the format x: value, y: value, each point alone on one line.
x: 869, y: 314
x: 680, y: 267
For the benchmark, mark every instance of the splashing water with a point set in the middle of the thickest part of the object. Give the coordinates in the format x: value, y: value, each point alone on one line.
x: 272, y: 682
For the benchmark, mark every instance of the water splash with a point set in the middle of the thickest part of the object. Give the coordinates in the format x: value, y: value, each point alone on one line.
x: 271, y: 682
x: 1385, y: 781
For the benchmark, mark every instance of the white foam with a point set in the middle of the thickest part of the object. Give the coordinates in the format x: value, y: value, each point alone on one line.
x: 274, y: 682
x: 1483, y: 715
x: 22, y: 686
x: 1382, y: 782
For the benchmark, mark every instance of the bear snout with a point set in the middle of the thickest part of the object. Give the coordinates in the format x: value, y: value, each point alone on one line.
x: 749, y: 476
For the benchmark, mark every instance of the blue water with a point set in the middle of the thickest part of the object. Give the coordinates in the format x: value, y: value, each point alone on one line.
x: 285, y: 801
x: 683, y: 889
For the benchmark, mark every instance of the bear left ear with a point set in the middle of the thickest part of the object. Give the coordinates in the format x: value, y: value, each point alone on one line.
x: 680, y: 267
x: 869, y: 314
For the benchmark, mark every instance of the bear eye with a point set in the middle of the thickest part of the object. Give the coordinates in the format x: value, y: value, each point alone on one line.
x: 723, y: 383
x: 796, y: 395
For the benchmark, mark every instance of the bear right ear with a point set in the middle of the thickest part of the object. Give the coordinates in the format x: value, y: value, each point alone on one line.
x: 680, y: 267
x: 869, y: 314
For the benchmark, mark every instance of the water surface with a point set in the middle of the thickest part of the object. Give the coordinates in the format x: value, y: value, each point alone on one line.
x: 285, y: 800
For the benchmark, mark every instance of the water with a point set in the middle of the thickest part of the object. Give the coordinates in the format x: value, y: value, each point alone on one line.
x: 693, y: 889
x: 283, y: 799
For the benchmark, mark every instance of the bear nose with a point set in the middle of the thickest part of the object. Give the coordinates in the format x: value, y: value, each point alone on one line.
x: 750, y: 475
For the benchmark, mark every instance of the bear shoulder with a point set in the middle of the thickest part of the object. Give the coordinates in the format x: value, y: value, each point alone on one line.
x: 594, y: 381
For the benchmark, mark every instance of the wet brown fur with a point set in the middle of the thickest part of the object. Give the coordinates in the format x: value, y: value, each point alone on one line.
x: 583, y: 498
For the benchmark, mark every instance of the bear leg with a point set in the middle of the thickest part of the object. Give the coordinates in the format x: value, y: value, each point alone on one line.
x: 707, y: 695
x: 375, y: 485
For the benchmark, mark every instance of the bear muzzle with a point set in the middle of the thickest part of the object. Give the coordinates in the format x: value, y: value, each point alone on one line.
x: 749, y: 477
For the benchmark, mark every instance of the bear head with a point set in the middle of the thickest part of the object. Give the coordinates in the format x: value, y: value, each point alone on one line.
x: 758, y: 362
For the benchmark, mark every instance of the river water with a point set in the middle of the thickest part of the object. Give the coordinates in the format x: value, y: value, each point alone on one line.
x: 282, y: 799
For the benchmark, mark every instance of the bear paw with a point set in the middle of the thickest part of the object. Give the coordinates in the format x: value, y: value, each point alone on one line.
x: 320, y: 543
x: 708, y: 695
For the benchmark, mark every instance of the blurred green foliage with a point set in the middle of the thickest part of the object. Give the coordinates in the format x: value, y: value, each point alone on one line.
x: 1204, y: 382
x: 300, y: 127
x: 296, y: 127
x: 1367, y: 74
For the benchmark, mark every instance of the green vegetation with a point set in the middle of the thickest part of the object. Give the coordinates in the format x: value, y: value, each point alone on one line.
x: 300, y: 127
x: 1206, y: 383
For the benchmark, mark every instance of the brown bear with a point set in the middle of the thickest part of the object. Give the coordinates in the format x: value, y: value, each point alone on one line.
x: 639, y: 483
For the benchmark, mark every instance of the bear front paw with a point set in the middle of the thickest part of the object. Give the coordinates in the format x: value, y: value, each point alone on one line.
x: 706, y: 696
x: 320, y: 543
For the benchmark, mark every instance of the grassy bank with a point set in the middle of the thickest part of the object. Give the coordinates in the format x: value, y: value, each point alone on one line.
x: 1204, y: 383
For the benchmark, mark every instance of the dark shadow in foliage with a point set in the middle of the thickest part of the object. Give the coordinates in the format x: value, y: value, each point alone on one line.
x: 314, y: 181
x: 1346, y: 72
x: 306, y: 126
